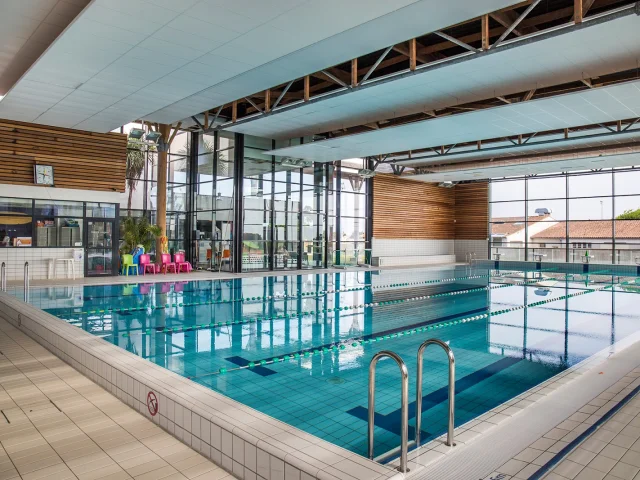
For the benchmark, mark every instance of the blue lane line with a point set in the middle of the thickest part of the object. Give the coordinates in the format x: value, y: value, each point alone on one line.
x: 379, y: 334
x: 542, y: 471
x: 243, y: 362
x: 391, y: 421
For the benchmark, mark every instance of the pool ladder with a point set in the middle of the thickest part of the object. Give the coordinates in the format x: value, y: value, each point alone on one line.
x: 404, y: 401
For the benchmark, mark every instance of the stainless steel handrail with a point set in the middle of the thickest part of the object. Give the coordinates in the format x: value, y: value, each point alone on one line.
x: 404, y: 415
x: 452, y: 388
x: 26, y: 281
x: 3, y: 277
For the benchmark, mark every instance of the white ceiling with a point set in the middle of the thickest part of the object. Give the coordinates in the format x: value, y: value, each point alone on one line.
x: 586, y: 52
x: 165, y: 60
x: 27, y: 28
x: 587, y: 107
x: 539, y: 168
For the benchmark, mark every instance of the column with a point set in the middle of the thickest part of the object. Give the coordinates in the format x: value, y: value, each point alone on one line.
x: 161, y: 213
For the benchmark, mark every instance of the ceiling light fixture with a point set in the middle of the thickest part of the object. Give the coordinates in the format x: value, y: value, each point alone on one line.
x: 153, y: 137
x: 136, y: 133
x: 295, y: 162
x: 366, y: 173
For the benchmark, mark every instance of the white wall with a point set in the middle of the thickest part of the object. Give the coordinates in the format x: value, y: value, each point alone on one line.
x: 403, y: 247
x: 53, y: 193
x: 479, y: 247
x: 15, y: 257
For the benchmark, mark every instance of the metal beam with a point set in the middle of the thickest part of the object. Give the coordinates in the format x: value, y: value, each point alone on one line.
x: 284, y: 92
x: 375, y: 65
x: 335, y: 79
x: 197, y: 122
x: 517, y: 22
x: 253, y: 104
x: 457, y: 42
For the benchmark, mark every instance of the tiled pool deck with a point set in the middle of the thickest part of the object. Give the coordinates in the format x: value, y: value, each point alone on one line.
x: 518, y: 438
x: 56, y: 423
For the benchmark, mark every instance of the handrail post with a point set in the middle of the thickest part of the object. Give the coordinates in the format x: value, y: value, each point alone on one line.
x: 26, y: 281
x: 3, y: 277
x: 404, y: 398
x: 452, y: 388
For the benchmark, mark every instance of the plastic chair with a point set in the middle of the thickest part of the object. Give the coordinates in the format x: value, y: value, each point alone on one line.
x: 166, y: 263
x: 145, y: 264
x: 180, y: 262
x: 127, y: 263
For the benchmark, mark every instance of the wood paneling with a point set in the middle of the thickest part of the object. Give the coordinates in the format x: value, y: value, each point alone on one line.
x: 405, y: 208
x: 82, y: 160
x: 409, y: 209
x: 472, y: 211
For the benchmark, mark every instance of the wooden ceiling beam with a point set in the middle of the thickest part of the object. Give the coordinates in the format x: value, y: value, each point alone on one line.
x: 354, y: 72
x: 577, y: 11
x: 486, y: 39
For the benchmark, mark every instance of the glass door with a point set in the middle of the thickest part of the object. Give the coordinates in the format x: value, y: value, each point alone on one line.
x: 100, y: 248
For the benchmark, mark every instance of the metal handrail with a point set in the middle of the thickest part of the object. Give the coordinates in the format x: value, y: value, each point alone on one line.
x: 404, y: 415
x: 3, y: 277
x: 452, y: 388
x: 26, y: 281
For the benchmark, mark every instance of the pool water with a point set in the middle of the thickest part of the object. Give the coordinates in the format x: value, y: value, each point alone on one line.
x: 298, y: 348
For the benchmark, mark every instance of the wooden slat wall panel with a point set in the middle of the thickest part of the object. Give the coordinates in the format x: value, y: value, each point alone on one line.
x: 81, y: 160
x: 409, y: 209
x: 472, y: 211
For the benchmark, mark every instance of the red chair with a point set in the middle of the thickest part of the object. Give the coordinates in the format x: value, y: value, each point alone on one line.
x: 179, y: 260
x: 166, y: 263
x: 144, y: 262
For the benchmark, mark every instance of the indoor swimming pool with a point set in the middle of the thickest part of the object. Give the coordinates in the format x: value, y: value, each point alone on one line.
x: 298, y: 347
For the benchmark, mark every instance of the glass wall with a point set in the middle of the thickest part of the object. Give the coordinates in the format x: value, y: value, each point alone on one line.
x: 26, y: 222
x: 141, y: 187
x: 588, y: 216
x: 293, y: 216
x: 290, y: 213
x: 213, y: 215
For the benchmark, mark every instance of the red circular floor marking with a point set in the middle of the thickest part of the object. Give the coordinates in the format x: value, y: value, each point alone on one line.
x: 152, y: 403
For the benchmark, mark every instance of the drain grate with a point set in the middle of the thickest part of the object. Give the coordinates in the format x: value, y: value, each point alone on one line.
x: 336, y: 380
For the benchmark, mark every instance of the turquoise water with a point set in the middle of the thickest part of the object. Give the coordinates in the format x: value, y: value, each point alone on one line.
x: 298, y: 347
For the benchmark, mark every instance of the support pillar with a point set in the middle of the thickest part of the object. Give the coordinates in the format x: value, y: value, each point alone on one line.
x: 161, y: 213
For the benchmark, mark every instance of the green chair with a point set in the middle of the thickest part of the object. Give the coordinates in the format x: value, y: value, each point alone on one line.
x: 127, y: 263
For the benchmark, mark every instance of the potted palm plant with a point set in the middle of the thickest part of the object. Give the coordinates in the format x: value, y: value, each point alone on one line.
x: 139, y: 231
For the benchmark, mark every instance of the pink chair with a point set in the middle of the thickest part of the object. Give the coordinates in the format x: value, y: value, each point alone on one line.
x: 144, y: 261
x: 179, y: 260
x: 166, y: 263
x: 179, y: 286
x: 165, y: 287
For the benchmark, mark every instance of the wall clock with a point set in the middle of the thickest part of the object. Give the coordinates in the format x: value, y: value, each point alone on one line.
x: 43, y: 174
